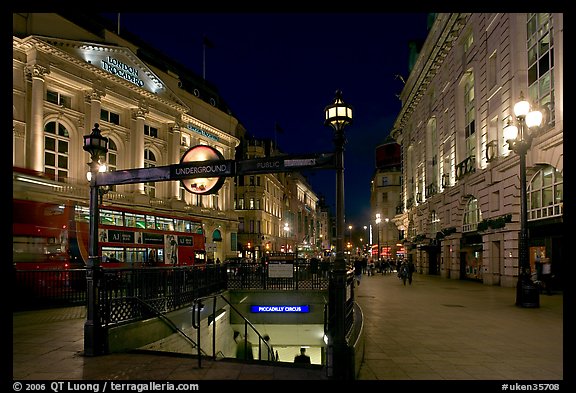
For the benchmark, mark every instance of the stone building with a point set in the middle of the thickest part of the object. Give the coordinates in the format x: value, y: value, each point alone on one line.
x: 460, y: 201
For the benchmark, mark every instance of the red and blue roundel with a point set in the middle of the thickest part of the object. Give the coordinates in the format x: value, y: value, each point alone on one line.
x: 202, y: 185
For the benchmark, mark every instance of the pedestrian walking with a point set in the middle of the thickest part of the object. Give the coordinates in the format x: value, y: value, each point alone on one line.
x: 357, y: 270
x: 243, y: 347
x: 547, y: 275
x: 269, y: 349
x: 411, y: 270
x: 403, y: 272
x: 371, y: 267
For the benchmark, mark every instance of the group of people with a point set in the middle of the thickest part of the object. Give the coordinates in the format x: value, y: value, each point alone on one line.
x: 404, y: 268
x: 244, y: 350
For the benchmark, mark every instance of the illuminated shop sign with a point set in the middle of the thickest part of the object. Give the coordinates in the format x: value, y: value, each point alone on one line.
x: 121, y: 70
x: 280, y: 309
x: 202, y: 132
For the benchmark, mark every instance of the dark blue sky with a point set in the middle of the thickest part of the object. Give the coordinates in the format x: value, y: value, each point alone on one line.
x: 285, y: 68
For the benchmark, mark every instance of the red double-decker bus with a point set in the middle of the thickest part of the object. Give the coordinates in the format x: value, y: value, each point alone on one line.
x: 55, y: 236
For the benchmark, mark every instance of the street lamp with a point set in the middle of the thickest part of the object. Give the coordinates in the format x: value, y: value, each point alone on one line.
x: 338, y: 116
x: 378, y: 221
x: 350, y: 242
x: 94, y: 339
x: 286, y: 231
x: 386, y: 220
x: 519, y: 141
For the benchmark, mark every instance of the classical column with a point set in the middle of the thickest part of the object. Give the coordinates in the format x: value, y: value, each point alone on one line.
x: 138, y: 145
x: 35, y: 146
x: 95, y: 99
x: 175, y: 158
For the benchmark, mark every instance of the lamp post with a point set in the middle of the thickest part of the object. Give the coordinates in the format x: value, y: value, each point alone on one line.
x: 386, y: 236
x: 350, y: 243
x: 94, y: 339
x: 338, y: 116
x: 286, y: 231
x: 378, y: 221
x: 367, y: 239
x: 519, y: 141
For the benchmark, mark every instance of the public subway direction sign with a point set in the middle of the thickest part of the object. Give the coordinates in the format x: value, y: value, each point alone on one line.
x: 203, y: 169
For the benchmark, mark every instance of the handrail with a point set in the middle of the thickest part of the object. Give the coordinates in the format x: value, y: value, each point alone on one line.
x: 195, y: 324
x: 169, y: 322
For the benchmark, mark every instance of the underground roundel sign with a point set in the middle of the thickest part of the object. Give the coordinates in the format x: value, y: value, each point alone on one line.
x: 203, y: 185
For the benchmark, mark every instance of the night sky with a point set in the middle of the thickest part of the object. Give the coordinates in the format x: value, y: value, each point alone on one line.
x: 284, y: 68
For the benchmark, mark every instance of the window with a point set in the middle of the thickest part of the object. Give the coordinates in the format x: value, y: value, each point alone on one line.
x: 110, y: 117
x: 150, y: 131
x: 164, y: 224
x: 434, y: 223
x: 56, y: 145
x: 468, y: 41
x: 546, y: 194
x: 432, y: 153
x: 112, y: 156
x: 540, y: 46
x: 111, y: 217
x: 58, y: 99
x: 492, y: 70
x: 472, y: 215
x: 470, y: 116
x: 133, y: 220
x: 149, y: 162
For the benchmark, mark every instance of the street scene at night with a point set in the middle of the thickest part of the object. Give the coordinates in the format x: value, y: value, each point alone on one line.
x: 201, y: 198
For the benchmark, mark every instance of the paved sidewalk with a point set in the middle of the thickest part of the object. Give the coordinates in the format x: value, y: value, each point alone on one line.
x: 434, y: 329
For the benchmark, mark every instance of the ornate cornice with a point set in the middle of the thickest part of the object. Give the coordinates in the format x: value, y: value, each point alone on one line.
x: 51, y: 47
x: 438, y: 44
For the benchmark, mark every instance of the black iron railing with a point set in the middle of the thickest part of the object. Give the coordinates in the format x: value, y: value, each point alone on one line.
x: 121, y: 290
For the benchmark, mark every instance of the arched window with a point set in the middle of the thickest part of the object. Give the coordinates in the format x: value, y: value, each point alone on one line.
x: 472, y: 215
x: 546, y: 194
x: 149, y: 162
x: 56, y: 147
x: 216, y: 235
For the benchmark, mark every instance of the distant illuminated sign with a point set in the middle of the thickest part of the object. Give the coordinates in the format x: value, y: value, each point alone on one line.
x: 280, y: 309
x: 120, y: 69
x: 202, y: 132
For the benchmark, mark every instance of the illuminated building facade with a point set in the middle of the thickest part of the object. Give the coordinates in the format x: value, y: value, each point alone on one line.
x: 68, y: 74
x: 460, y: 202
